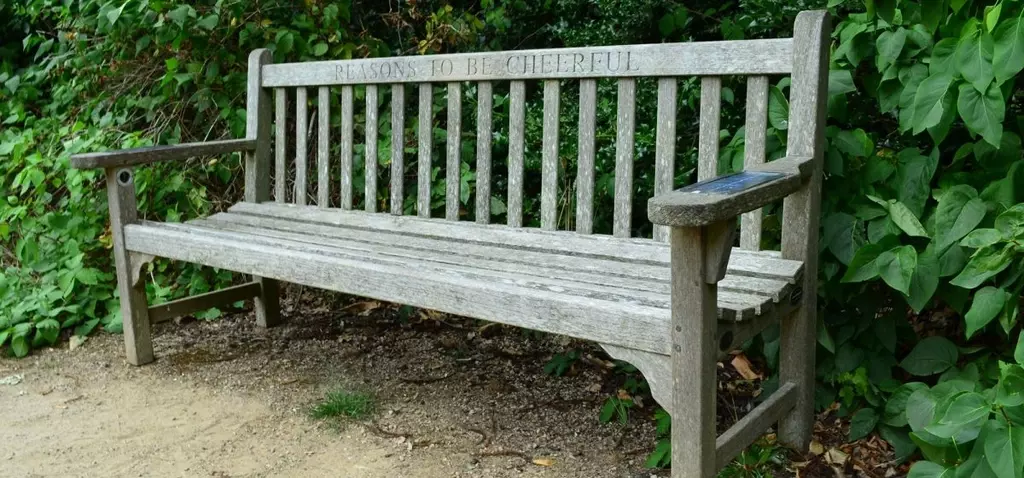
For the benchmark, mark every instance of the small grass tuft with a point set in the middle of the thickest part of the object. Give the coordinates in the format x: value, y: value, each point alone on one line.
x: 344, y: 404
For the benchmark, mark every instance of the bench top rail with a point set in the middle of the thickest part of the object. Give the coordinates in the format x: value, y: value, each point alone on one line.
x: 741, y: 57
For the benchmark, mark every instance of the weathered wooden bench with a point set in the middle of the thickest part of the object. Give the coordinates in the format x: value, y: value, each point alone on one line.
x: 670, y: 305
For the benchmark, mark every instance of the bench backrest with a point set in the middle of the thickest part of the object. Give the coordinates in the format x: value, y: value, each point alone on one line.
x: 292, y: 86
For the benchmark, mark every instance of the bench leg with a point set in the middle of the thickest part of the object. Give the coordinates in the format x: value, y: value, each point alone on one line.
x: 138, y: 338
x: 268, y: 303
x: 694, y: 352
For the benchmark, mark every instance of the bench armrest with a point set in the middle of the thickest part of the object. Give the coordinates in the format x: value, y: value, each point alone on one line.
x: 726, y: 197
x: 152, y: 154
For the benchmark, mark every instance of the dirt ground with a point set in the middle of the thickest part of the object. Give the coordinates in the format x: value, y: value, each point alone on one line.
x: 455, y: 398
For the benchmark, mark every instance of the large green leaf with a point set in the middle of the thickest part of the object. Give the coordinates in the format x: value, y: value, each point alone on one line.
x: 942, y: 57
x: 1018, y: 352
x: 979, y: 238
x: 958, y: 213
x: 886, y: 10
x: 930, y: 356
x: 1010, y: 390
x: 928, y: 102
x: 862, y: 423
x: 1008, y: 52
x: 890, y: 45
x: 1004, y: 448
x: 985, y: 263
x: 1010, y: 223
x: 906, y: 220
x: 973, y: 59
x: 896, y: 266
x: 914, y: 173
x: 896, y: 407
x: 778, y: 109
x: 927, y: 469
x: 843, y: 234
x: 925, y: 280
x: 988, y: 303
x: 983, y: 114
x: 863, y: 266
x: 963, y: 419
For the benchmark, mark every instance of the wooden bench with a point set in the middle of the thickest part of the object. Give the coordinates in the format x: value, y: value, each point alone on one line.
x: 670, y: 305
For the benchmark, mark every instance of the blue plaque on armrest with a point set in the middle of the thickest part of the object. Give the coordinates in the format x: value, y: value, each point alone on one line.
x: 732, y: 183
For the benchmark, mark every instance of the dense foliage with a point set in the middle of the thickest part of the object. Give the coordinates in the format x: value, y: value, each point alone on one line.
x: 922, y: 222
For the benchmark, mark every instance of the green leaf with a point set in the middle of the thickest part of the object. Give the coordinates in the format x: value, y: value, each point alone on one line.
x: 913, y: 179
x: 778, y: 109
x: 863, y: 266
x: 115, y: 13
x: 854, y: 143
x: 985, y: 263
x: 983, y: 114
x: 889, y: 46
x: 942, y: 57
x: 979, y: 238
x: 208, y: 22
x: 906, y: 220
x: 896, y: 406
x: 925, y: 280
x: 1010, y: 389
x: 843, y: 234
x: 19, y: 346
x: 896, y: 266
x: 964, y: 417
x: 988, y: 303
x: 1004, y: 448
x: 901, y: 443
x: 840, y: 82
x: 930, y: 356
x: 992, y: 13
x: 973, y: 59
x: 180, y: 14
x: 886, y: 10
x: 1018, y: 352
x: 928, y: 101
x: 1011, y: 222
x: 1008, y: 52
x: 319, y: 49
x: 958, y: 213
x: 927, y: 469
x: 862, y: 423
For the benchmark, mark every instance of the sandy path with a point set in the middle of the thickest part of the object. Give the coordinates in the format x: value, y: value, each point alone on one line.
x: 227, y: 400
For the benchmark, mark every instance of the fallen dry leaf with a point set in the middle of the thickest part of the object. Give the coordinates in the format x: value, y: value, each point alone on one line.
x: 744, y: 367
x: 835, y: 456
x: 543, y: 461
x: 817, y: 448
x: 361, y: 308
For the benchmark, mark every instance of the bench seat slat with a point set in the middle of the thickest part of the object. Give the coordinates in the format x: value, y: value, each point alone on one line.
x: 766, y: 264
x: 634, y: 326
x: 745, y: 296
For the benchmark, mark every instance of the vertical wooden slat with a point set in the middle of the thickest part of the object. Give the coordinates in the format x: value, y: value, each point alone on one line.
x: 694, y: 376
x: 301, y: 131
x: 516, y: 135
x: 397, y: 147
x: 484, y: 105
x: 371, y: 149
x: 138, y: 336
x: 710, y: 120
x: 346, y: 147
x: 549, y: 158
x: 801, y: 212
x: 754, y: 153
x: 454, y: 163
x: 280, y: 145
x: 267, y: 305
x: 426, y: 146
x: 585, y: 162
x: 665, y: 149
x: 625, y: 128
x: 323, y: 157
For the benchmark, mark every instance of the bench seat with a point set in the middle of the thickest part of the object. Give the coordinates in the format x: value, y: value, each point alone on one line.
x: 586, y: 286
